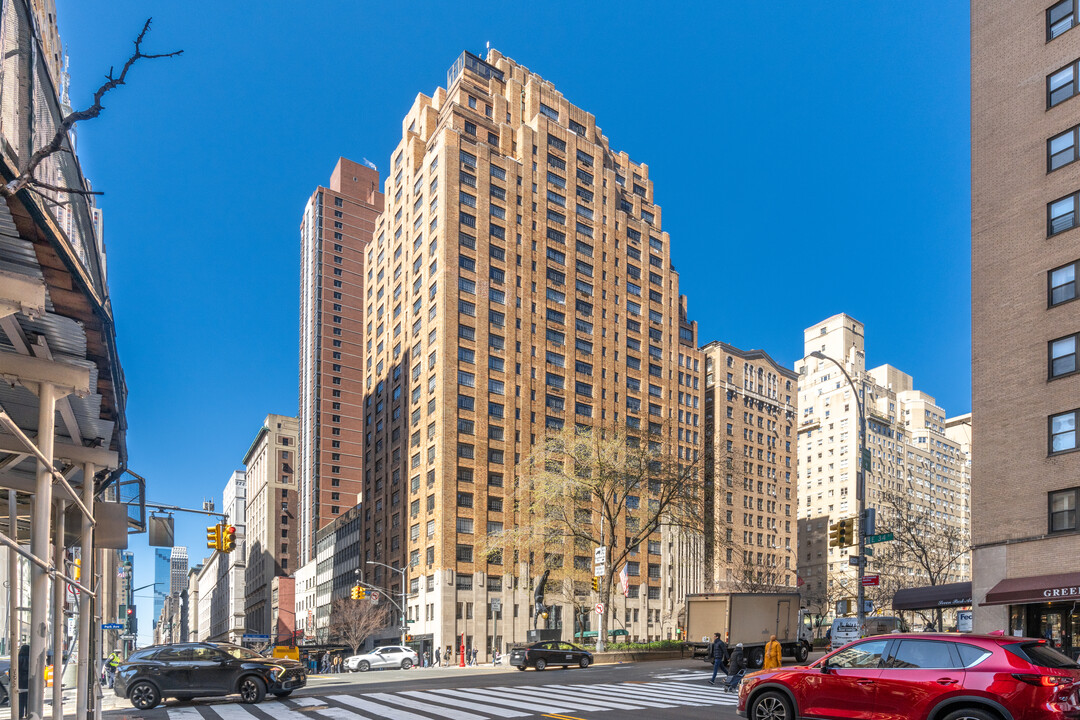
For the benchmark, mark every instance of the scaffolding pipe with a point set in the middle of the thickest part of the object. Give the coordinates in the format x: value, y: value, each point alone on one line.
x: 86, y: 553
x: 59, y: 590
x: 44, y: 458
x: 5, y: 540
x: 40, y: 531
x: 14, y: 619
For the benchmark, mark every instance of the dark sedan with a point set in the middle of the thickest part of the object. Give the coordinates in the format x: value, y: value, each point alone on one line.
x: 540, y: 655
x: 187, y: 670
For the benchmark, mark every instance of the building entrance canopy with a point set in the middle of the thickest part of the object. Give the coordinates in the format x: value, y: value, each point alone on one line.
x: 933, y: 596
x: 1042, y: 588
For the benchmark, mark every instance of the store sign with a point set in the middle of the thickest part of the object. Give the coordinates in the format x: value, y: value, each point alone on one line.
x: 1061, y: 592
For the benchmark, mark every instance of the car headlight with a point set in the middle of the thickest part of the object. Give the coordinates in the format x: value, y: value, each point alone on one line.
x: 280, y: 670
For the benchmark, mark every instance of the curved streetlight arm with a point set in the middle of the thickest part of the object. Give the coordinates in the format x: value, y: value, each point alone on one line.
x: 860, y: 488
x: 401, y: 607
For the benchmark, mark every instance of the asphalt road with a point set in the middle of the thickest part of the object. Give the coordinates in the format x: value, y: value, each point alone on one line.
x: 674, y: 689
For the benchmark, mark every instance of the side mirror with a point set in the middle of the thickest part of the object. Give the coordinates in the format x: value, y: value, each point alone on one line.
x: 825, y: 666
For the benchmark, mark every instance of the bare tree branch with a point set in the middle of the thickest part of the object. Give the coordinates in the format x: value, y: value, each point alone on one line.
x: 25, y: 176
x: 353, y: 621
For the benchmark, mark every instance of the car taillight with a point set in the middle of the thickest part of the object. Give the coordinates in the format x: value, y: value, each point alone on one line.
x: 1043, y: 680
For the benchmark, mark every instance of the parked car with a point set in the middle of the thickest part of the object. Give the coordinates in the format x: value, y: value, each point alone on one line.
x: 386, y: 656
x: 540, y: 655
x: 924, y: 676
x: 5, y: 680
x: 187, y: 670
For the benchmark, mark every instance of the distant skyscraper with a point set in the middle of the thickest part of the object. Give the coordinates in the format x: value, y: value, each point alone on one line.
x: 335, y: 230
x: 162, y: 580
x: 178, y: 567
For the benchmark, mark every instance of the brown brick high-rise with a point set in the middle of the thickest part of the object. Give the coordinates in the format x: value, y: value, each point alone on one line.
x: 1025, y: 318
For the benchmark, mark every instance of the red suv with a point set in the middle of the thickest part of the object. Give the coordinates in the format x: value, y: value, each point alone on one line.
x: 929, y: 676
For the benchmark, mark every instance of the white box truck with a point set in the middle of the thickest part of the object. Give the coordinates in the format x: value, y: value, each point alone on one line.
x: 749, y: 618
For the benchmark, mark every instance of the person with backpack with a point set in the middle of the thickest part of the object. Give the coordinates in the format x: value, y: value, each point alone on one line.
x: 719, y: 651
x: 736, y: 668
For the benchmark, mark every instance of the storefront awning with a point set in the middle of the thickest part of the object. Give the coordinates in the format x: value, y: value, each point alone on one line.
x: 933, y: 596
x: 1042, y: 588
x: 593, y: 633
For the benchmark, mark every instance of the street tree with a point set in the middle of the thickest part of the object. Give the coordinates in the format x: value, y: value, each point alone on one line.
x: 353, y: 621
x: 610, y: 487
x: 28, y: 171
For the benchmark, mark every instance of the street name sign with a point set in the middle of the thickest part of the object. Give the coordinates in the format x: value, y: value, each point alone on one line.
x: 254, y: 637
x: 880, y: 537
x: 112, y: 626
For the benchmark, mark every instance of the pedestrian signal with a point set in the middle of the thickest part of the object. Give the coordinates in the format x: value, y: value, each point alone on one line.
x: 213, y: 537
x: 228, y: 539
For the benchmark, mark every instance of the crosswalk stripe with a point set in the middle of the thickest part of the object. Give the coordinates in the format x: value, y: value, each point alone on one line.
x: 539, y: 694
x: 708, y: 693
x: 458, y: 702
x: 549, y: 691
x: 606, y: 695
x: 639, y: 691
x: 233, y: 712
x: 336, y: 713
x: 376, y: 709
x: 473, y: 694
x: 186, y: 713
x: 449, y: 713
x: 682, y: 693
x: 306, y: 701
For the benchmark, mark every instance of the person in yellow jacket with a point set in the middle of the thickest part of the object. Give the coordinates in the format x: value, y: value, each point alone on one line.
x: 772, y: 654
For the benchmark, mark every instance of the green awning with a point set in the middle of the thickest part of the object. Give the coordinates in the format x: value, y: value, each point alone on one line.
x: 586, y: 634
x: 618, y: 631
x: 592, y: 633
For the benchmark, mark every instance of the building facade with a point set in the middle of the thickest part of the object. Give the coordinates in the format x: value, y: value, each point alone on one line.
x: 162, y: 579
x: 271, y: 531
x: 519, y: 282
x: 335, y: 230
x: 304, y: 593
x: 750, y: 478
x: 917, y: 471
x: 1024, y: 215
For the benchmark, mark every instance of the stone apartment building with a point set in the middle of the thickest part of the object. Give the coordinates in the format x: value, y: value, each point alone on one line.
x: 914, y: 452
x: 750, y: 478
x: 271, y: 530
x: 519, y: 281
x: 1024, y: 218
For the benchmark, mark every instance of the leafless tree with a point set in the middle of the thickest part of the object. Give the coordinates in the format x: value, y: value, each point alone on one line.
x: 25, y: 176
x: 607, y: 487
x: 353, y: 621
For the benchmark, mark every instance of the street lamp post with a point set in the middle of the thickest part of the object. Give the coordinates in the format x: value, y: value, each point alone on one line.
x: 401, y: 607
x: 860, y: 488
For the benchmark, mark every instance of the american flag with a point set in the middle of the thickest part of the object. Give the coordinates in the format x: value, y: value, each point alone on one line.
x: 624, y: 580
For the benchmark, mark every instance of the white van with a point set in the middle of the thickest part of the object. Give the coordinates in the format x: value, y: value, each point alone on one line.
x: 844, y: 630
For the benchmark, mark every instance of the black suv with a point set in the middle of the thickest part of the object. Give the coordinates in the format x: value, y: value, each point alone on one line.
x: 542, y: 654
x: 188, y: 670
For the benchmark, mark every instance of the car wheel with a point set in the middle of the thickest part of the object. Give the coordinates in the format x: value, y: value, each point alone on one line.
x: 144, y: 695
x: 252, y: 690
x: 541, y: 664
x: 406, y: 664
x: 283, y: 693
x: 363, y: 666
x: 801, y: 653
x: 969, y: 714
x: 756, y: 658
x: 521, y: 667
x: 770, y: 706
x: 584, y: 662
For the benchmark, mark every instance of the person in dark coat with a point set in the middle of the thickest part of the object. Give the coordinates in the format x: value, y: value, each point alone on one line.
x: 736, y: 668
x: 719, y: 652
x: 438, y: 657
x: 24, y: 678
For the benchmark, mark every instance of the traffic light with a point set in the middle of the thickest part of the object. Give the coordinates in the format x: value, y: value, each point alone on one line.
x: 213, y: 537
x: 834, y: 535
x: 408, y: 638
x: 355, y: 592
x: 361, y: 593
x: 130, y: 623
x: 847, y: 532
x: 228, y: 539
x: 596, y: 584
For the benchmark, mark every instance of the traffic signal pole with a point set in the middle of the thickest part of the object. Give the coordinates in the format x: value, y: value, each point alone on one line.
x: 860, y: 489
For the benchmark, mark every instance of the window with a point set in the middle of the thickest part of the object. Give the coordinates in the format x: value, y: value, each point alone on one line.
x: 921, y: 654
x: 1062, y: 284
x: 863, y: 655
x: 1061, y: 149
x: 1063, y: 432
x: 549, y: 112
x: 1063, y: 510
x: 1062, y: 356
x: 1061, y: 85
x: 1061, y: 215
x: 1059, y: 18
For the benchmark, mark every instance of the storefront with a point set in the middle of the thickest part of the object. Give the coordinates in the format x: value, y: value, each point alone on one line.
x: 945, y: 601
x: 1047, y: 606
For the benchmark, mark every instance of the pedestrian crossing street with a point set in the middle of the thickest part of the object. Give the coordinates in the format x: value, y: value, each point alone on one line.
x: 515, y: 701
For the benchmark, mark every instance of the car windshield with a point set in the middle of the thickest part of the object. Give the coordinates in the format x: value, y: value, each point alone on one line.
x: 1042, y: 655
x: 240, y: 653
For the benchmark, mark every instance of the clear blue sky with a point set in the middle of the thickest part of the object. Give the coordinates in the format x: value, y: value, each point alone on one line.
x: 810, y: 158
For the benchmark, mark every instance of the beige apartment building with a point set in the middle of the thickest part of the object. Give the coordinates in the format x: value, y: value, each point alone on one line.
x: 334, y: 232
x: 520, y: 281
x: 1025, y: 61
x: 917, y: 456
x: 272, y: 522
x: 751, y: 491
